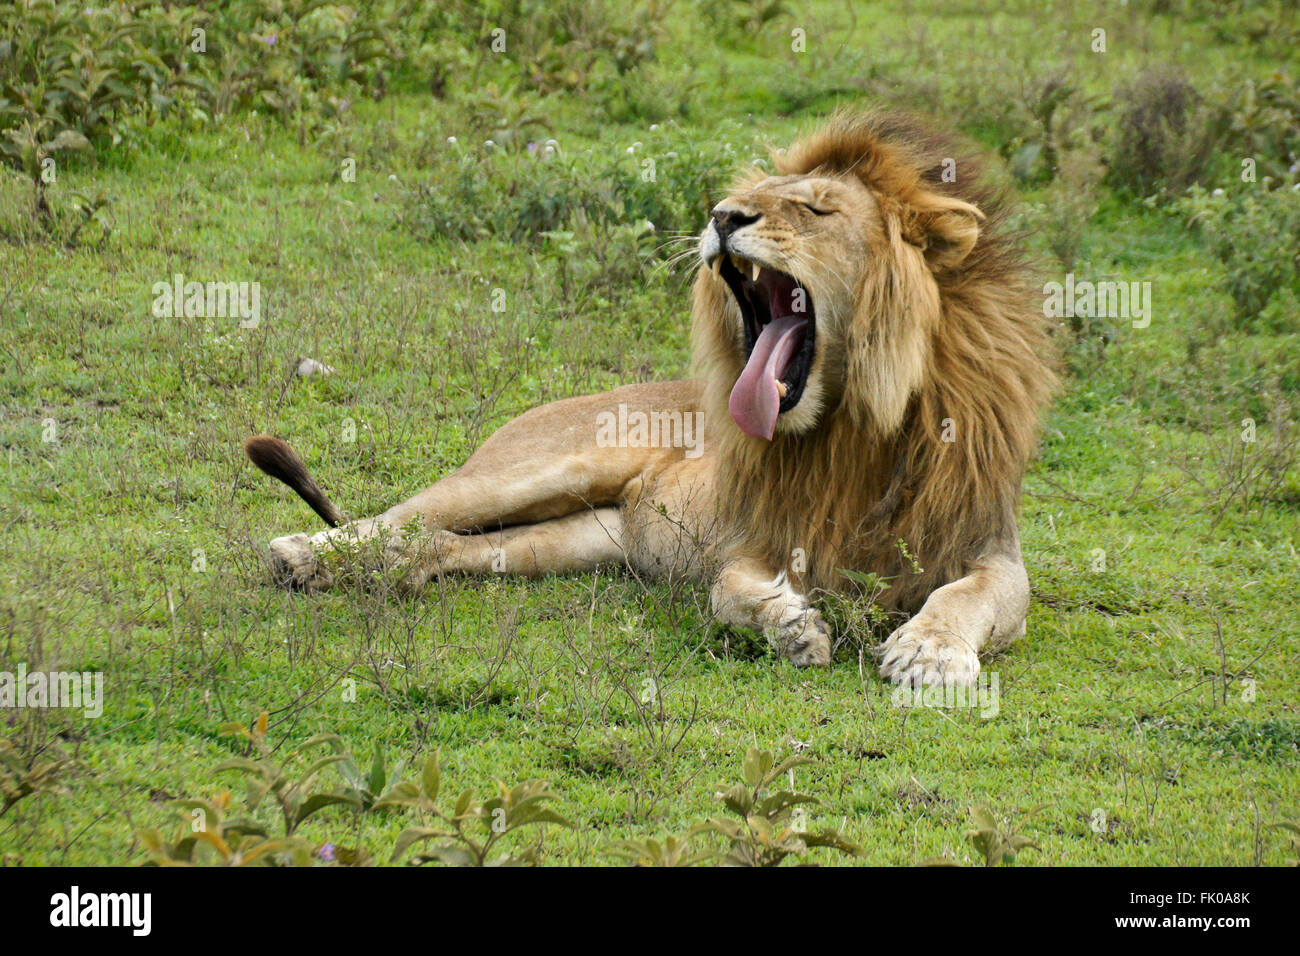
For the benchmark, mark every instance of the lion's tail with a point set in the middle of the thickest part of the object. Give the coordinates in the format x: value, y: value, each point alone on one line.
x: 278, y: 460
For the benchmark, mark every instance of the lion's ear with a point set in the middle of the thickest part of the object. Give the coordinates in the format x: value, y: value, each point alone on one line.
x: 945, y: 229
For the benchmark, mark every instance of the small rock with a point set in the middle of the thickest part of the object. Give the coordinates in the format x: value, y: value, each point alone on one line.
x: 309, y: 366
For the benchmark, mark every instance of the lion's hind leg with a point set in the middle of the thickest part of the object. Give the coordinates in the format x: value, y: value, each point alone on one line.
x: 575, y: 543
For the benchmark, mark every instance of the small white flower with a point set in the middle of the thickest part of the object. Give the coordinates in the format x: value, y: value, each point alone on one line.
x: 654, y: 127
x: 452, y: 140
x: 489, y: 144
x: 1218, y: 192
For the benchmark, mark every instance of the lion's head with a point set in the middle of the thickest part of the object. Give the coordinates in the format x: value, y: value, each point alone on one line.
x: 871, y: 355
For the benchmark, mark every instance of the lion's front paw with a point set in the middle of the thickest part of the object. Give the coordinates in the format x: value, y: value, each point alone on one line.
x: 295, y: 566
x: 924, y: 653
x: 807, y: 642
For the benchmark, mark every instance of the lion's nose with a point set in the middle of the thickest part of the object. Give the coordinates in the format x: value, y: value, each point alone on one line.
x: 727, y: 221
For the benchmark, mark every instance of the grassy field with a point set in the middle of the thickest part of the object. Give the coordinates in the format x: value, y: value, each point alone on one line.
x: 1148, y: 717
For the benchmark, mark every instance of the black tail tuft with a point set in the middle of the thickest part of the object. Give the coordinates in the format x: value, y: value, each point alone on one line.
x: 278, y: 460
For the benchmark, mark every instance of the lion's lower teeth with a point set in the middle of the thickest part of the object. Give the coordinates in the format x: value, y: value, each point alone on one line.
x: 782, y: 388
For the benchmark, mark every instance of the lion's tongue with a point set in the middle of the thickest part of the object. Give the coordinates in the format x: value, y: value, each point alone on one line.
x: 755, y: 400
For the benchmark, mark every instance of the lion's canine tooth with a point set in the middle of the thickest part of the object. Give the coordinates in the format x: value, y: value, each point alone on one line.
x: 736, y: 261
x: 781, y: 388
x: 755, y: 269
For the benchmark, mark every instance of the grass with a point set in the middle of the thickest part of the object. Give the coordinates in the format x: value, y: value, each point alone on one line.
x: 1159, y: 690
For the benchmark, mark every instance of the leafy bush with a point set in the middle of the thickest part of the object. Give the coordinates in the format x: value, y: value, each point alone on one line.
x: 72, y: 67
x: 22, y: 777
x: 295, y: 58
x: 210, y: 836
x: 998, y: 843
x: 770, y: 826
x: 769, y: 829
x: 74, y: 77
x: 672, y: 851
x: 205, y: 835
x: 295, y: 796
x: 472, y: 831
x: 1166, y: 135
x: 1264, y: 125
x: 1253, y: 232
x: 72, y: 73
x: 539, y: 190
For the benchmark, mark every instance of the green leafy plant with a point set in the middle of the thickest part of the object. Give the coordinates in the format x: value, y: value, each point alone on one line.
x: 995, y: 842
x: 674, y: 850
x: 1264, y: 124
x: 73, y: 76
x: 31, y: 146
x: 92, y: 210
x: 470, y: 833
x: 207, y: 837
x: 540, y: 193
x: 299, y: 60
x: 295, y: 795
x: 1252, y: 232
x: 756, y: 15
x: 22, y: 777
x: 367, y: 789
x: 769, y: 826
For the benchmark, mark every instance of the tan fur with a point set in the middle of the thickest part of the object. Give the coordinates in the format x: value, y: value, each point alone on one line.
x: 924, y: 325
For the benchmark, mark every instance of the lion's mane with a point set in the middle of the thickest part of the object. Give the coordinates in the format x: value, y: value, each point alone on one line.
x: 937, y: 465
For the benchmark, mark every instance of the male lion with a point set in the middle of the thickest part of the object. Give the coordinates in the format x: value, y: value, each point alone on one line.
x: 871, y: 371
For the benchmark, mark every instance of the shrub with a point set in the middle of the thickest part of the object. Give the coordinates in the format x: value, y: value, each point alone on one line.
x: 541, y: 190
x: 1264, y: 125
x: 1166, y: 134
x: 74, y: 77
x: 769, y: 824
x: 1253, y: 233
x: 299, y: 60
x: 472, y: 831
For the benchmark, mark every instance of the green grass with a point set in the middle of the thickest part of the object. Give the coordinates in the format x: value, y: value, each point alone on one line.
x: 1120, y: 698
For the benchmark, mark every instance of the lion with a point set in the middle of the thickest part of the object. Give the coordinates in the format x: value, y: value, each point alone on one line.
x: 870, y: 375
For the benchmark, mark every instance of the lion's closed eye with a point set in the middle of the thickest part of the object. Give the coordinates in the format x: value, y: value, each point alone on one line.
x: 816, y: 210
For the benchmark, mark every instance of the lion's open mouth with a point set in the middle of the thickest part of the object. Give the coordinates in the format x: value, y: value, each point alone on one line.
x: 780, y: 333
